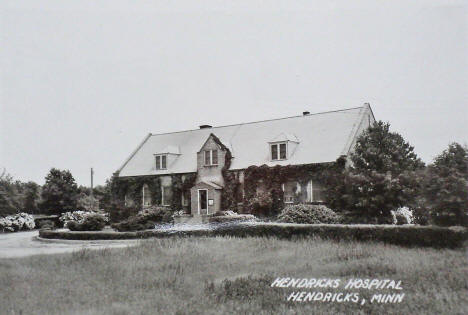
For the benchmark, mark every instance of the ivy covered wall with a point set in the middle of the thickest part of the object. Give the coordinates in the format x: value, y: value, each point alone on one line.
x: 133, y: 188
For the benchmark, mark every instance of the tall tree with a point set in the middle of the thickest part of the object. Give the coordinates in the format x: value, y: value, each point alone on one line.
x: 9, y: 196
x: 59, y: 193
x: 31, y: 197
x: 446, y: 186
x: 380, y: 178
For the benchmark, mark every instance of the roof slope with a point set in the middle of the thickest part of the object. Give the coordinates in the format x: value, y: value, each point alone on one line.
x: 322, y: 137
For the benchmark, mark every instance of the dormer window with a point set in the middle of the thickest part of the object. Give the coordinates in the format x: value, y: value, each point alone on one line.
x: 161, y: 161
x: 211, y: 157
x: 278, y: 151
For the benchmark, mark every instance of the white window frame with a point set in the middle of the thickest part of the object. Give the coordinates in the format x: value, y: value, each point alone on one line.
x: 159, y: 167
x: 163, y: 202
x: 143, y: 196
x: 310, y: 192
x: 278, y: 154
x: 284, y: 197
x: 210, y: 157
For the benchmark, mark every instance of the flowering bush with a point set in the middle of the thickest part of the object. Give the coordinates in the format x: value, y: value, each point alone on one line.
x: 79, y: 216
x: 17, y: 222
x: 312, y: 214
x: 402, y: 216
x: 91, y: 222
x: 145, y: 219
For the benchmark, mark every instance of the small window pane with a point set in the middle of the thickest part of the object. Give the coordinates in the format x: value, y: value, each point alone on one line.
x: 207, y: 158
x: 158, y: 162
x: 274, y: 152
x: 163, y: 162
x: 282, y: 151
x: 214, y: 157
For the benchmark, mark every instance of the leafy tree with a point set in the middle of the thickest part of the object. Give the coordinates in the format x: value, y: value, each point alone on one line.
x: 31, y: 197
x: 59, y: 193
x: 9, y: 201
x: 381, y: 177
x: 446, y: 186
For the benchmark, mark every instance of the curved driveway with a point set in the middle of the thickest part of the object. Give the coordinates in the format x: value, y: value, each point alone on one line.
x: 22, y: 244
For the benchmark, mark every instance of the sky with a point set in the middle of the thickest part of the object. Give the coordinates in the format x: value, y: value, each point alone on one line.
x: 82, y: 83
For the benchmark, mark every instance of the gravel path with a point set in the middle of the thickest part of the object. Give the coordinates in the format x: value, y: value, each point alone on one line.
x: 22, y: 244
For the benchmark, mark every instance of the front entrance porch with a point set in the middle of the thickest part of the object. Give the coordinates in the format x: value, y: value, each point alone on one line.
x: 205, y: 198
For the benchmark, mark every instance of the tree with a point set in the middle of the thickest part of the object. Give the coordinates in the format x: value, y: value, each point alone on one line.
x: 59, y: 193
x: 31, y: 197
x: 9, y: 201
x: 381, y: 177
x: 446, y: 187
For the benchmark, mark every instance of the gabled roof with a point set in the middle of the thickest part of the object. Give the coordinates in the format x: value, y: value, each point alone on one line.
x: 323, y: 137
x: 283, y: 137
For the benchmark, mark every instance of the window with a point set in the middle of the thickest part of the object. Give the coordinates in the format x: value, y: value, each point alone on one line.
x: 278, y: 151
x: 314, y: 191
x: 161, y: 162
x: 211, y: 157
x: 166, y: 195
x: 146, y: 195
x: 289, y: 191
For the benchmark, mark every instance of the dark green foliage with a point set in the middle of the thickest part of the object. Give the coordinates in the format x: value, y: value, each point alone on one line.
x: 17, y: 196
x: 312, y: 214
x: 400, y: 219
x: 272, y: 179
x: 231, y: 218
x: 59, y: 193
x: 45, y: 224
x: 382, y: 177
x: 119, y: 212
x: 446, y: 187
x: 132, y: 186
x: 9, y: 199
x: 427, y: 236
x: 145, y: 219
x: 92, y: 222
x: 260, y: 204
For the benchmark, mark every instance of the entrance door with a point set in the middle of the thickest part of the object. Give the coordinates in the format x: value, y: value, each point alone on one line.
x: 202, y: 201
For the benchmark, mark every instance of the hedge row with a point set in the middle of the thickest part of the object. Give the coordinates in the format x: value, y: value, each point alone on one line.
x: 400, y: 235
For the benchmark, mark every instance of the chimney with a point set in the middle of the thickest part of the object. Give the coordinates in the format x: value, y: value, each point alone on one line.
x: 305, y: 113
x: 205, y: 126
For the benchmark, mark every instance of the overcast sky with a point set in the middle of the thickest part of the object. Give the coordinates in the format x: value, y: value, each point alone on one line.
x: 83, y: 82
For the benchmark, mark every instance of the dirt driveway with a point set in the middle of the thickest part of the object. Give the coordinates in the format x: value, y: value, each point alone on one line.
x: 22, y: 244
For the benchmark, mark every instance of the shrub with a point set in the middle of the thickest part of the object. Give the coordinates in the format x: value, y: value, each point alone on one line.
x: 79, y: 216
x: 231, y: 218
x: 402, y: 216
x: 46, y: 224
x: 17, y: 222
x: 91, y: 222
x: 311, y: 214
x: 408, y: 235
x: 145, y: 219
x: 260, y: 204
x: 120, y: 213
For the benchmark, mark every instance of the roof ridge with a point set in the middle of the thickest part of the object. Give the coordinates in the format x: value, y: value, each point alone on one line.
x: 258, y: 121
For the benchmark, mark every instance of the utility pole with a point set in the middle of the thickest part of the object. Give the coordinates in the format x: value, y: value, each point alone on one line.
x: 92, y: 193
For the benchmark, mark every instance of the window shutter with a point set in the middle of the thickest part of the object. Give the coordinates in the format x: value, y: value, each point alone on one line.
x: 214, y: 157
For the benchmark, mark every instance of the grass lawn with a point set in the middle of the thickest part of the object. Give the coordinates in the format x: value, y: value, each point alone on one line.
x: 230, y: 275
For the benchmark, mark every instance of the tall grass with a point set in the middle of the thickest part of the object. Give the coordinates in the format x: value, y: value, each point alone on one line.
x: 228, y: 275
